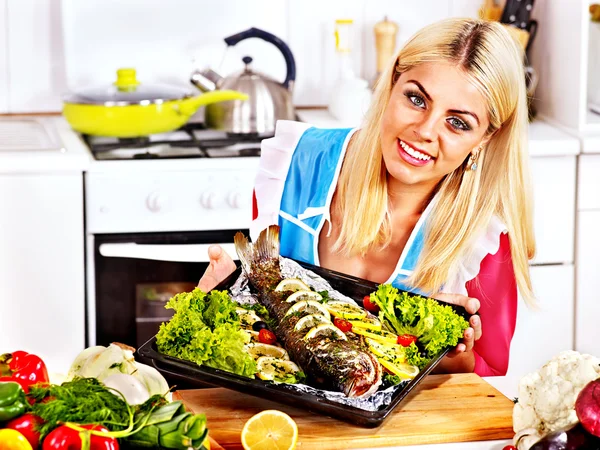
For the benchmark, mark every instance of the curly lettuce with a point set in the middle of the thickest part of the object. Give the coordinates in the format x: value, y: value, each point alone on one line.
x: 436, y: 326
x: 205, y: 329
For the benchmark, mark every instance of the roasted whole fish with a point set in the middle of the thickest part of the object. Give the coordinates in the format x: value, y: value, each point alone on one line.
x: 329, y: 361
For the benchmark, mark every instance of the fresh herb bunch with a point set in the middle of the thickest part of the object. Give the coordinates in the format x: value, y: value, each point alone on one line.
x: 154, y: 423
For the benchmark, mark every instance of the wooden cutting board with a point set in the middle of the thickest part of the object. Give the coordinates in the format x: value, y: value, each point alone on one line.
x: 443, y: 408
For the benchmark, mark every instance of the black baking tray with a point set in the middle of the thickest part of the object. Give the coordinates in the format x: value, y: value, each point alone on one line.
x: 194, y: 374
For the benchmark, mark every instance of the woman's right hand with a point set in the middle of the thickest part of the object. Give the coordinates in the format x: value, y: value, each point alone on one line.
x: 220, y: 267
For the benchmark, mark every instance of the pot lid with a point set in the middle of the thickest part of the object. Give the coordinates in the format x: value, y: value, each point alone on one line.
x: 127, y: 90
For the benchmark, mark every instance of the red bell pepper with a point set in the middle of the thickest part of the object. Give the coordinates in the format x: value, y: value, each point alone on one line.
x: 66, y: 438
x: 24, y: 368
x: 25, y: 425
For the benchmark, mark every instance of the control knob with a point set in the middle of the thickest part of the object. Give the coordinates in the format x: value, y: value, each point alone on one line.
x: 210, y: 200
x: 236, y: 200
x: 156, y: 202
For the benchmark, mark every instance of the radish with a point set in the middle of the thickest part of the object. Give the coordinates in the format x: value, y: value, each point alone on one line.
x: 587, y: 407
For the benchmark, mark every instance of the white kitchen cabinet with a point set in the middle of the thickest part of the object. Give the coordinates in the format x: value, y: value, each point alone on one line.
x: 4, y: 77
x: 587, y: 337
x: 554, y: 208
x: 42, y: 266
x: 543, y: 332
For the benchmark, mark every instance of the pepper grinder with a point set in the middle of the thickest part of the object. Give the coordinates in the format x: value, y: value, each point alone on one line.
x: 385, y: 43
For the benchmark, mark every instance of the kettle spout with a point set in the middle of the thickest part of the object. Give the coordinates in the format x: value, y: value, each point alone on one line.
x: 206, y: 80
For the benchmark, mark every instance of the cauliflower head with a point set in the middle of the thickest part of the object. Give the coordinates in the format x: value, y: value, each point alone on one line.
x: 547, y: 397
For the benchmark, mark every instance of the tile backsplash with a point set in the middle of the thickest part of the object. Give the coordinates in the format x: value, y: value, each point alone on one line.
x: 53, y: 46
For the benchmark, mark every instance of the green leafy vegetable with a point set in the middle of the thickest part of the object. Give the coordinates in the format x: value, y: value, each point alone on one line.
x: 436, y: 326
x: 205, y: 329
x: 154, y: 423
x: 263, y: 313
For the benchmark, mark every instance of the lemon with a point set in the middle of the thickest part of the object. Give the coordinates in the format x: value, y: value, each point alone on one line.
x: 310, y: 321
x: 292, y: 284
x: 304, y: 295
x: 13, y: 440
x: 247, y: 317
x: 405, y: 371
x: 252, y: 335
x: 326, y: 330
x: 270, y: 430
x: 346, y: 310
x: 368, y: 323
x: 258, y: 349
x: 392, y: 352
x: 308, y: 307
x: 271, y: 368
x: 381, y: 336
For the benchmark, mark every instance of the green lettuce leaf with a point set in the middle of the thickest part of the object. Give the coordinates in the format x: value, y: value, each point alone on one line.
x: 205, y: 329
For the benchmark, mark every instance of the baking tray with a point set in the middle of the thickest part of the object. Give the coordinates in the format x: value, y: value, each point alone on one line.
x: 350, y: 286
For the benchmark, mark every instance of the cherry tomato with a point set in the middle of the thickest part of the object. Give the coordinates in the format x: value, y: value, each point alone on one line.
x: 369, y: 305
x: 406, y: 339
x: 342, y: 324
x: 509, y: 447
x: 266, y: 337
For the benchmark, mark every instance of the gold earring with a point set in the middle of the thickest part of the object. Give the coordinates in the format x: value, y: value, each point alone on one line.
x: 473, y: 160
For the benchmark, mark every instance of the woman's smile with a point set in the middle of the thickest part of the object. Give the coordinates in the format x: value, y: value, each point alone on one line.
x: 412, y: 155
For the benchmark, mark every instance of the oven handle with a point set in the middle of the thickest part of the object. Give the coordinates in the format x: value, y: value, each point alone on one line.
x: 173, y: 253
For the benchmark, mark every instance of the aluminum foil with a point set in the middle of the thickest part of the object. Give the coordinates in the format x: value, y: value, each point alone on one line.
x: 240, y: 292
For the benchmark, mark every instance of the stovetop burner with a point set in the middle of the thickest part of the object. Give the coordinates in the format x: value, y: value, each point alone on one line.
x: 193, y: 140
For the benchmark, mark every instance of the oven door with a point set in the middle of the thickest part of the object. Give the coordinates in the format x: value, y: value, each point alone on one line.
x: 136, y: 274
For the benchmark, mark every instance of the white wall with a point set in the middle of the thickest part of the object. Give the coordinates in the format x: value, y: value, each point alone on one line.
x: 52, y: 46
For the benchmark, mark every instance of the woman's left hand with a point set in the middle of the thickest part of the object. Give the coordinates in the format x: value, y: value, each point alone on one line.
x: 472, y: 333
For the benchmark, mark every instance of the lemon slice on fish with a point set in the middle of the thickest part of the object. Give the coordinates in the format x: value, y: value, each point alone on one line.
x: 304, y: 295
x: 292, y: 284
x: 326, y: 330
x: 404, y: 371
x: 310, y: 321
x: 308, y: 307
x: 275, y: 369
x: 380, y: 336
x: 368, y: 323
x: 388, y: 351
x: 258, y: 349
x: 346, y: 310
x: 247, y: 317
x: 252, y: 335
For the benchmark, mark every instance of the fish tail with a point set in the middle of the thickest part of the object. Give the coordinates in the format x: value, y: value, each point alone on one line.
x: 265, y: 248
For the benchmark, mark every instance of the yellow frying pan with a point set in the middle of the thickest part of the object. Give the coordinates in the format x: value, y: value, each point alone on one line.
x: 129, y: 109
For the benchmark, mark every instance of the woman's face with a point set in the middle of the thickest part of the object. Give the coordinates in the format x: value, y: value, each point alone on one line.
x: 434, y: 119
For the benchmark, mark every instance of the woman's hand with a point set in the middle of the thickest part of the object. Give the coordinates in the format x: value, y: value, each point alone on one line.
x: 461, y: 358
x: 220, y: 267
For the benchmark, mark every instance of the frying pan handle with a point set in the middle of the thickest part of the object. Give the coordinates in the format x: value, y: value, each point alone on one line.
x: 532, y: 27
x: 290, y: 63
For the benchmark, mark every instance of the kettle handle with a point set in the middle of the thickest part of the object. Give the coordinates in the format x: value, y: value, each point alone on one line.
x: 290, y: 63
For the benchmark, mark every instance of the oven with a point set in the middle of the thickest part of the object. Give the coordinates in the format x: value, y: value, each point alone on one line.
x: 153, y: 207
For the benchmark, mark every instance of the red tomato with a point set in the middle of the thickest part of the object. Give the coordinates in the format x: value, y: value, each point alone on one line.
x: 509, y: 447
x: 342, y: 324
x: 369, y: 305
x: 266, y: 337
x: 406, y: 339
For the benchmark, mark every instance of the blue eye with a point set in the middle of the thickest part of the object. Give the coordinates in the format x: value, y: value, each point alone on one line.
x: 458, y: 124
x: 415, y: 99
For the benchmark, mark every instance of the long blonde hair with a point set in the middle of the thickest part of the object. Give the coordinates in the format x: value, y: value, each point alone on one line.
x: 466, y: 200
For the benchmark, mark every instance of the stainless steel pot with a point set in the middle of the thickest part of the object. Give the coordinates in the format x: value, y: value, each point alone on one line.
x: 268, y: 100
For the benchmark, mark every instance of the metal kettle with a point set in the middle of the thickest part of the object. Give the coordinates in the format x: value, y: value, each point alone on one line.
x: 268, y: 100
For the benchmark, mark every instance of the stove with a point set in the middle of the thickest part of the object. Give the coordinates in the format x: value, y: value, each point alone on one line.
x: 153, y: 206
x: 193, y: 140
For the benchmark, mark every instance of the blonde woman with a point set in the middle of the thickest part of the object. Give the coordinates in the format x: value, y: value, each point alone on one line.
x: 431, y: 193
